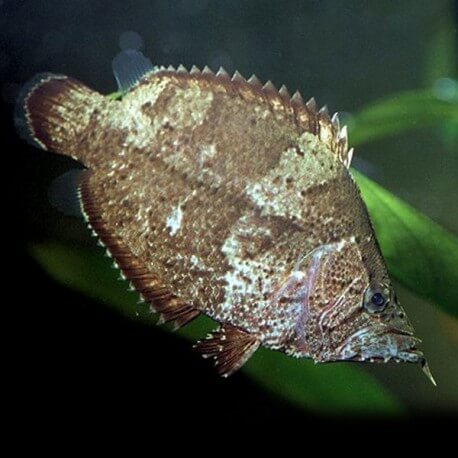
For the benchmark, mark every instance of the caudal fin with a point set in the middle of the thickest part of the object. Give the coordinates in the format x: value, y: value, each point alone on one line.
x: 53, y: 111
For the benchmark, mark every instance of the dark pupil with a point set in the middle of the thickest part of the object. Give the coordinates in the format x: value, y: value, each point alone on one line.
x: 378, y: 299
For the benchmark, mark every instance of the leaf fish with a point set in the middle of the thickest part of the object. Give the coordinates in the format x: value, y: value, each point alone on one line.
x: 222, y: 196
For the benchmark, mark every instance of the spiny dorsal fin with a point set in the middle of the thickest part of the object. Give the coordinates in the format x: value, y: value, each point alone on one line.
x: 171, y: 308
x: 129, y: 67
x: 311, y: 104
x: 342, y: 145
x: 349, y: 157
x: 306, y: 115
x: 335, y: 121
x: 284, y: 92
x: 297, y: 99
x: 324, y: 111
x: 238, y: 78
x: 269, y: 88
x: 230, y: 348
x: 253, y: 80
x: 223, y: 74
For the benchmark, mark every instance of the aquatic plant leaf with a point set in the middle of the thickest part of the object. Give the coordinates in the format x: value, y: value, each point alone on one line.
x: 114, y: 96
x: 419, y: 253
x: 395, y: 114
x: 333, y: 388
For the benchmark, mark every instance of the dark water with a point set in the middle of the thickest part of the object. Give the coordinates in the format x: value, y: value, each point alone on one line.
x: 345, y: 54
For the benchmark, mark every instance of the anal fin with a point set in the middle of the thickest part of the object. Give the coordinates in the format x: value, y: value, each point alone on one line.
x: 230, y: 347
x: 177, y: 311
x: 146, y: 283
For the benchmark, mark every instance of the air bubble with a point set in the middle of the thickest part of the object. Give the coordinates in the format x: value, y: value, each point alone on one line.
x: 446, y: 89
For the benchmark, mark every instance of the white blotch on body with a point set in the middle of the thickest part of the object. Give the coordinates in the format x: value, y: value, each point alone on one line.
x: 206, y: 152
x: 280, y: 191
x: 174, y: 220
x: 246, y: 283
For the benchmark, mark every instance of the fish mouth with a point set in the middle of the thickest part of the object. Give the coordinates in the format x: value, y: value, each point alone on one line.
x: 412, y: 355
x: 383, y: 344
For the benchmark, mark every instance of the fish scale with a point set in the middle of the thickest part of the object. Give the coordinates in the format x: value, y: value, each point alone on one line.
x: 229, y: 198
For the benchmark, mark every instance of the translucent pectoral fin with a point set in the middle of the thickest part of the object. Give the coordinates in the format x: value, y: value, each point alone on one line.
x: 63, y: 193
x: 129, y: 67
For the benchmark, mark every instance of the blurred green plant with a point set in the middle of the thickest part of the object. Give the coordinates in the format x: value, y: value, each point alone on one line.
x: 404, y: 112
x: 420, y: 254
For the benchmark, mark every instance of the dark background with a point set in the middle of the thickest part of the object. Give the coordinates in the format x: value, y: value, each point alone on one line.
x: 69, y: 354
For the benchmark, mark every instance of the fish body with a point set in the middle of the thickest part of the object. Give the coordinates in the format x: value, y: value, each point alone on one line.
x: 225, y: 197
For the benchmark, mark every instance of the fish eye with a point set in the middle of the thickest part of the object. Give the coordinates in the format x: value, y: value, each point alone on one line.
x: 378, y: 300
x: 375, y: 301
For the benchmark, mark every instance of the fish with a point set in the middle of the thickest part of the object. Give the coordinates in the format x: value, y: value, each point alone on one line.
x: 225, y: 197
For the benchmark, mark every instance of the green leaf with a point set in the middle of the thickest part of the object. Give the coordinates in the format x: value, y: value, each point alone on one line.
x: 420, y: 254
x: 402, y: 112
x: 332, y: 388
x: 441, y: 49
x: 114, y: 96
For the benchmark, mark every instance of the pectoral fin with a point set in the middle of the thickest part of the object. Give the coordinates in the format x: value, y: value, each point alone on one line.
x: 64, y: 195
x: 129, y: 67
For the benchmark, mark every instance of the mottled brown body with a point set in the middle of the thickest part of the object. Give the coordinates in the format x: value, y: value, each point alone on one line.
x: 223, y: 197
x: 207, y: 168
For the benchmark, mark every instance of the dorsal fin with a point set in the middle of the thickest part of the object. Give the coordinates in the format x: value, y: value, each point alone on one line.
x: 283, y: 91
x: 305, y: 114
x: 223, y: 74
x: 255, y: 81
x: 238, y: 78
x: 129, y: 66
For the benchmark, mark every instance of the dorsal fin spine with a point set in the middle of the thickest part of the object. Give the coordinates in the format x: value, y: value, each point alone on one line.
x: 238, y: 78
x: 222, y: 74
x: 311, y: 105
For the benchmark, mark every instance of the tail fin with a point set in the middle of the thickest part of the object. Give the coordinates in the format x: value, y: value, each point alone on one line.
x: 52, y: 112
